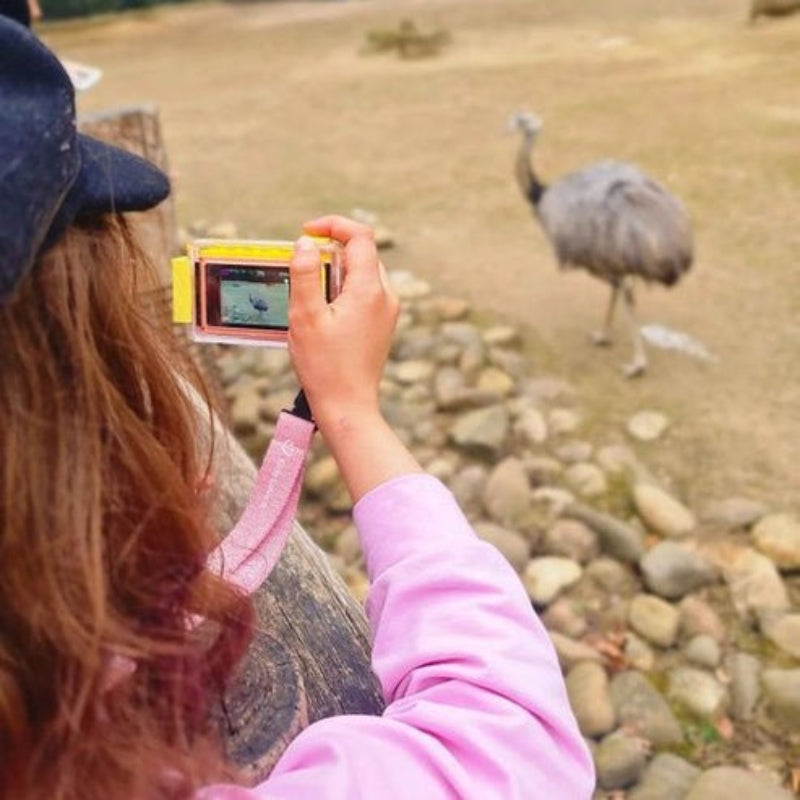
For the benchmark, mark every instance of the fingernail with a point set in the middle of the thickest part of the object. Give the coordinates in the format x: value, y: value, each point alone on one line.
x: 305, y: 244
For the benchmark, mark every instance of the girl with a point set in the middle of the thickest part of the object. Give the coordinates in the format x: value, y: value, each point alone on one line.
x: 104, y: 691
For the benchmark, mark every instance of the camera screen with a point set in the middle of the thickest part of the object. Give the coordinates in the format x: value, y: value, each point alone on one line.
x: 249, y: 297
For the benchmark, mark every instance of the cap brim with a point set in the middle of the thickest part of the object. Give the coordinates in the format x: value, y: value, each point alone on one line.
x: 112, y: 179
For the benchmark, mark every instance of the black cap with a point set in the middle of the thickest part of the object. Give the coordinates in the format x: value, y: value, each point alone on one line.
x: 49, y: 173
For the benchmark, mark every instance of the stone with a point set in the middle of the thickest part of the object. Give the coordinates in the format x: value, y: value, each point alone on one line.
x: 617, y: 538
x: 643, y: 711
x: 783, y: 630
x: 563, y: 420
x: 647, y: 426
x: 409, y: 372
x: 467, y: 485
x: 501, y: 336
x: 654, y: 619
x: 698, y: 692
x: 222, y: 230
x: 572, y: 539
x: 638, y: 654
x: 571, y: 652
x: 406, y: 286
x: 587, y: 480
x: 418, y: 343
x: 673, y: 570
x: 449, y: 309
x: 724, y: 783
x: 755, y: 586
x: 733, y: 512
x: 574, y: 451
x: 321, y: 476
x: 245, y: 412
x: 542, y: 469
x: 617, y: 460
x: 564, y: 617
x: 619, y: 761
x: 358, y: 584
x: 271, y: 362
x: 698, y: 617
x: 590, y: 698
x: 461, y: 333
x: 782, y: 691
x: 546, y: 577
x: 661, y: 512
x: 553, y: 500
x: 348, y: 546
x: 507, y: 495
x: 611, y: 576
x: 484, y: 429
x: 745, y: 686
x: 703, y: 650
x: 530, y: 427
x: 511, y: 544
x: 442, y: 468
x: 777, y: 536
x: 547, y: 388
x: 495, y: 381
x: 510, y: 361
x: 667, y: 777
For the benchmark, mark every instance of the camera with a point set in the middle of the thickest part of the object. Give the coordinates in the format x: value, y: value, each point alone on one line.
x: 237, y: 292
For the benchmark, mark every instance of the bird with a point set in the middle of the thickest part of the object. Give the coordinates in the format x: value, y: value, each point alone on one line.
x: 611, y: 220
x: 259, y: 304
x: 773, y: 8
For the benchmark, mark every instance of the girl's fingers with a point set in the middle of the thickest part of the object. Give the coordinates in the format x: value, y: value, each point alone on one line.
x: 304, y: 273
x: 340, y: 228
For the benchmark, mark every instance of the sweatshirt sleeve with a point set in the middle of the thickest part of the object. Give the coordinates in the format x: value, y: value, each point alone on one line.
x: 476, y: 704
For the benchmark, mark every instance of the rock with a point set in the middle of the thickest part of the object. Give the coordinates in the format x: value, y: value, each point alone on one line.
x: 415, y: 344
x: 562, y: 616
x: 733, y: 512
x: 618, y: 460
x: 698, y: 617
x: 777, y: 536
x: 501, y: 336
x: 784, y: 631
x: 654, y: 619
x: 563, y: 420
x: 782, y: 691
x: 348, y: 546
x: 512, y: 545
x: 358, y: 584
x: 703, y: 650
x: 643, y: 711
x: 661, y: 512
x: 616, y: 538
x: 542, y: 469
x: 571, y: 652
x: 638, y: 653
x: 222, y: 230
x: 442, y: 468
x: 552, y: 500
x: 507, y: 495
x: 271, y: 362
x: 724, y: 783
x: 667, y: 777
x: 672, y: 570
x: 531, y: 427
x: 463, y: 334
x: 572, y: 539
x: 245, y: 412
x: 321, y: 476
x: 587, y: 480
x: 448, y: 387
x: 574, y: 451
x: 276, y: 402
x: 410, y: 372
x: 745, y: 686
x: 619, y: 761
x: 756, y: 587
x: 406, y: 286
x: 546, y: 577
x: 590, y: 698
x: 468, y: 484
x: 647, y: 426
x: 484, y: 429
x: 698, y: 691
x: 611, y: 576
x: 494, y: 381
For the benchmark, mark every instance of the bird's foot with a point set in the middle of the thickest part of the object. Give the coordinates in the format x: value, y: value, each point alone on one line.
x: 635, y: 369
x: 601, y: 338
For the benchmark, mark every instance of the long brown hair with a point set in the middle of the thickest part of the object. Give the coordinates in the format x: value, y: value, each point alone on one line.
x: 103, y: 540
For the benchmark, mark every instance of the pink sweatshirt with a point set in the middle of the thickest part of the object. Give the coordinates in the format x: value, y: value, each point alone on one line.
x: 476, y: 704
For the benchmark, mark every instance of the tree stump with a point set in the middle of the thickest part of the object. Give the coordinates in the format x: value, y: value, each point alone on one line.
x: 310, y: 656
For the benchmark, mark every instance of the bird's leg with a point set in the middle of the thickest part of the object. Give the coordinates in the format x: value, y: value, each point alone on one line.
x: 603, y: 336
x: 639, y: 363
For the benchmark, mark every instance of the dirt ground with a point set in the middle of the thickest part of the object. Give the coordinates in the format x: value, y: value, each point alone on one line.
x: 272, y: 115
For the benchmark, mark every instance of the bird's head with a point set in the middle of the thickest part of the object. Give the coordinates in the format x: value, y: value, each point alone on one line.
x: 525, y: 122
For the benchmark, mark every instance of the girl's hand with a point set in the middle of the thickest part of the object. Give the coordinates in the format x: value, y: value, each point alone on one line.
x: 339, y: 349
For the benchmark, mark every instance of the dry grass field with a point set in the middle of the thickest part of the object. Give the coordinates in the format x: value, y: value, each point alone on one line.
x: 272, y: 115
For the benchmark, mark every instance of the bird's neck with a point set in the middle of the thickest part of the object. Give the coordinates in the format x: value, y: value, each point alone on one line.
x: 532, y: 188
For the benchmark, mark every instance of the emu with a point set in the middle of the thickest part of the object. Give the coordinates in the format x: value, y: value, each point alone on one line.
x: 613, y: 221
x: 258, y: 303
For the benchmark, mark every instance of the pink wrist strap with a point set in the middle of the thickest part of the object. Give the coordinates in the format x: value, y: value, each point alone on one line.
x: 246, y: 556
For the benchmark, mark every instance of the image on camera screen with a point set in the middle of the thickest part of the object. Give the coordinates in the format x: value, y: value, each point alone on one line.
x: 253, y: 298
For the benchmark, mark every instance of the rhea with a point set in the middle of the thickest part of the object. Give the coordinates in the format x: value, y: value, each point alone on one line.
x: 613, y: 221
